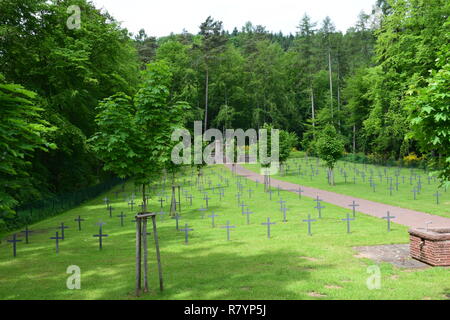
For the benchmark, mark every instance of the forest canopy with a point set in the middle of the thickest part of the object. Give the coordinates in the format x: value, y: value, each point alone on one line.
x: 383, y: 85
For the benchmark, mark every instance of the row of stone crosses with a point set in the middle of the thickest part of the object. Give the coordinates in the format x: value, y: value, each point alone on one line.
x: 415, y: 180
x: 218, y: 190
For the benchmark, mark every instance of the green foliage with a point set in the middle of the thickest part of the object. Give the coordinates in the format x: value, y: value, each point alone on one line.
x: 330, y: 147
x: 22, y: 131
x: 430, y: 115
x: 71, y: 70
x: 134, y: 137
x: 288, y: 140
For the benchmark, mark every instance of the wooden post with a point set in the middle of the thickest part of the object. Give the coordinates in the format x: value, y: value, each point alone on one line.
x: 158, y: 256
x: 145, y: 247
x: 179, y: 200
x: 138, y: 256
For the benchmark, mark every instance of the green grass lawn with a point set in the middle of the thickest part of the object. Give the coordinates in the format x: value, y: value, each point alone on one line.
x: 404, y: 197
x: 290, y: 265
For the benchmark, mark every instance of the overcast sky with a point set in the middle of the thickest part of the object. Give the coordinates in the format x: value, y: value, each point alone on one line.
x: 160, y: 18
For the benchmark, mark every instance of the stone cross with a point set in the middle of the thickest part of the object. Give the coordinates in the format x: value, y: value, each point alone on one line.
x: 319, y: 208
x: 121, y: 216
x: 391, y: 188
x: 213, y: 216
x: 177, y: 217
x: 206, y: 198
x: 242, y: 205
x: 100, y: 235
x: 414, y: 190
x: 248, y: 213
x: 437, y: 194
x: 186, y: 230
x: 281, y: 202
x: 389, y: 218
x: 228, y: 227
x: 284, y: 214
x: 300, y: 192
x: 309, y: 220
x: 62, y: 227
x: 268, y: 224
x: 79, y: 222
x: 110, y: 208
x: 354, y: 205
x: 131, y: 203
x: 161, y: 200
x: 348, y: 219
x: 202, y: 210
x: 57, y: 238
x: 14, y: 242
x: 27, y: 232
x: 270, y: 194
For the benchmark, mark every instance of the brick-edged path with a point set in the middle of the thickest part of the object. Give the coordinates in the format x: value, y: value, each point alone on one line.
x: 406, y: 217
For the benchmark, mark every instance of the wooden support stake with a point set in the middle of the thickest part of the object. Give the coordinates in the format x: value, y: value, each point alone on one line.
x: 138, y: 257
x: 145, y: 247
x: 158, y: 256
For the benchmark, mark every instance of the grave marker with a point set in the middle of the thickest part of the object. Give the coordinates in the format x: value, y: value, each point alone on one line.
x: 100, y: 235
x: 228, y: 227
x: 268, y: 224
x: 79, y: 222
x: 202, y: 210
x: 248, y: 213
x: 213, y: 216
x: 186, y: 230
x: 206, y: 198
x: 284, y: 214
x: 348, y: 219
x: 121, y: 216
x: 27, y: 232
x: 56, y: 238
x: 177, y: 217
x: 14, y: 242
x: 62, y: 227
x: 437, y: 194
x: 389, y: 218
x: 309, y: 220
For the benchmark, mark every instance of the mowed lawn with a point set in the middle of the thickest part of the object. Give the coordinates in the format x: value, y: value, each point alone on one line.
x: 361, y: 188
x: 290, y: 265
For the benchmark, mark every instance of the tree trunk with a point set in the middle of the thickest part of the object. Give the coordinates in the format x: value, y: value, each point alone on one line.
x: 313, y: 112
x: 144, y: 199
x: 206, y: 99
x: 331, y: 85
x: 338, y: 96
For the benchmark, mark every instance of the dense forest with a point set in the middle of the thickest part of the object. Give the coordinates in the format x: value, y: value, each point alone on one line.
x: 383, y: 84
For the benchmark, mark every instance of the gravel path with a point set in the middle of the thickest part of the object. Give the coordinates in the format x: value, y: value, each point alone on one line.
x: 406, y: 217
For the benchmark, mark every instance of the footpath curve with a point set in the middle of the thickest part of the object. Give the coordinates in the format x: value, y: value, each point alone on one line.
x: 406, y: 217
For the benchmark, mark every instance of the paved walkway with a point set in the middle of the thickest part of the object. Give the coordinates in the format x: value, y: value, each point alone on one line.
x: 406, y: 217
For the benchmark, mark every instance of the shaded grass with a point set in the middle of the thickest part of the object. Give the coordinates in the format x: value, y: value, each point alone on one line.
x: 290, y: 265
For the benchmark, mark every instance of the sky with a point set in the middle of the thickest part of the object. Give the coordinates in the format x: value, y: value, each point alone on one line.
x: 160, y: 18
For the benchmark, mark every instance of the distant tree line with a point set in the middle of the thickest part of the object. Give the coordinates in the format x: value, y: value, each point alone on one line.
x: 383, y: 85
